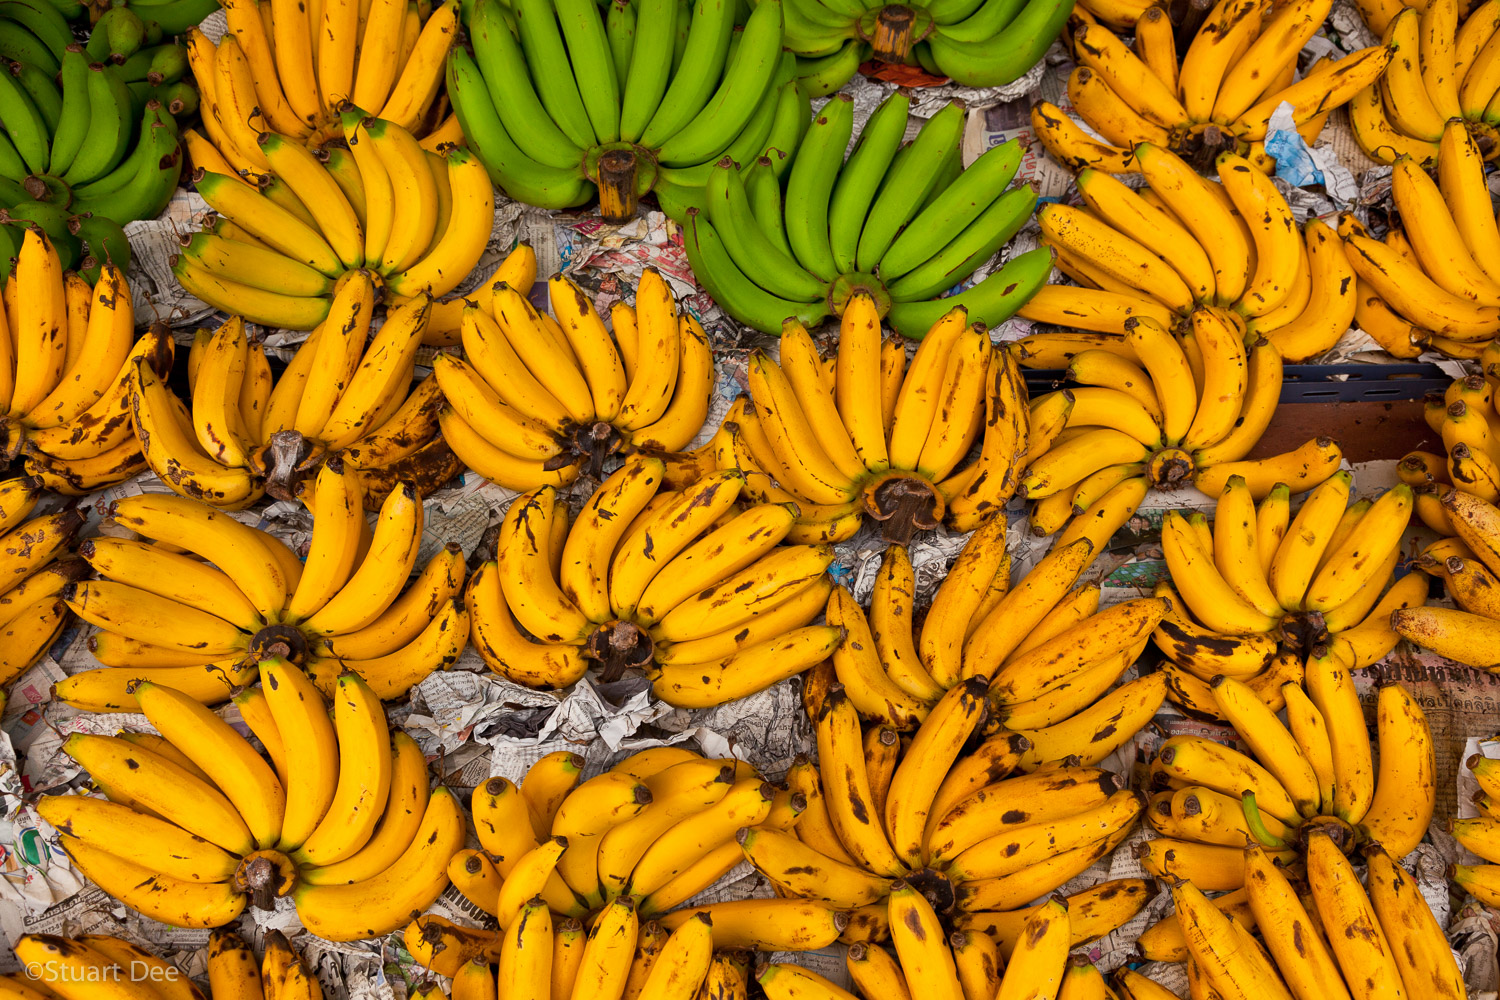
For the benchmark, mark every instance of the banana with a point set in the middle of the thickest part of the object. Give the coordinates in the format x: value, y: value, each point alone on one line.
x: 245, y: 778
x: 373, y: 586
x: 858, y: 667
x: 364, y: 778
x: 598, y: 531
x: 1210, y: 597
x: 142, y: 840
x: 803, y: 872
x: 1190, y: 198
x: 402, y: 816
x: 1197, y: 761
x: 1116, y: 254
x: 1424, y: 959
x: 1365, y: 955
x: 1270, y: 741
x: 1040, y: 958
x: 1097, y: 102
x: 1102, y: 52
x: 384, y: 902
x: 920, y: 944
x: 1403, y: 284
x: 1398, y: 820
x: 1005, y: 627
x: 847, y: 784
x: 745, y: 805
x: 1215, y: 944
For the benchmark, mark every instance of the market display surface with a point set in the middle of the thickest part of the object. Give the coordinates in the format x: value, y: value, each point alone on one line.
x: 804, y: 499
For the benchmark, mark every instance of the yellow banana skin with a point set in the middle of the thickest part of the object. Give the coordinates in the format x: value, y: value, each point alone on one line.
x: 383, y: 903
x: 1423, y: 956
x: 1363, y: 952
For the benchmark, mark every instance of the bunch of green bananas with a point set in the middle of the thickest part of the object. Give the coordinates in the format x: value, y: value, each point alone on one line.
x: 978, y: 43
x: 157, y: 18
x: 89, y: 129
x: 559, y: 99
x: 84, y: 243
x: 902, y: 223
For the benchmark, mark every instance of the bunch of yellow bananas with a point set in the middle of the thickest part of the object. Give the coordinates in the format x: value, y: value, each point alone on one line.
x: 93, y: 965
x: 619, y: 849
x: 1312, y: 776
x: 1156, y: 408
x: 1261, y: 590
x: 543, y: 957
x: 339, y: 398
x: 536, y: 400
x: 972, y: 836
x: 34, y: 571
x: 418, y: 219
x: 1479, y: 835
x: 1184, y: 242
x: 617, y: 957
x: 66, y: 358
x: 1046, y: 650
x: 1443, y: 73
x: 293, y: 68
x: 1335, y: 939
x: 175, y: 619
x: 200, y: 824
x: 1435, y: 280
x: 656, y: 829
x: 684, y: 584
x: 1236, y: 72
x: 968, y: 963
x: 1461, y: 417
x: 1468, y: 565
x: 864, y: 434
